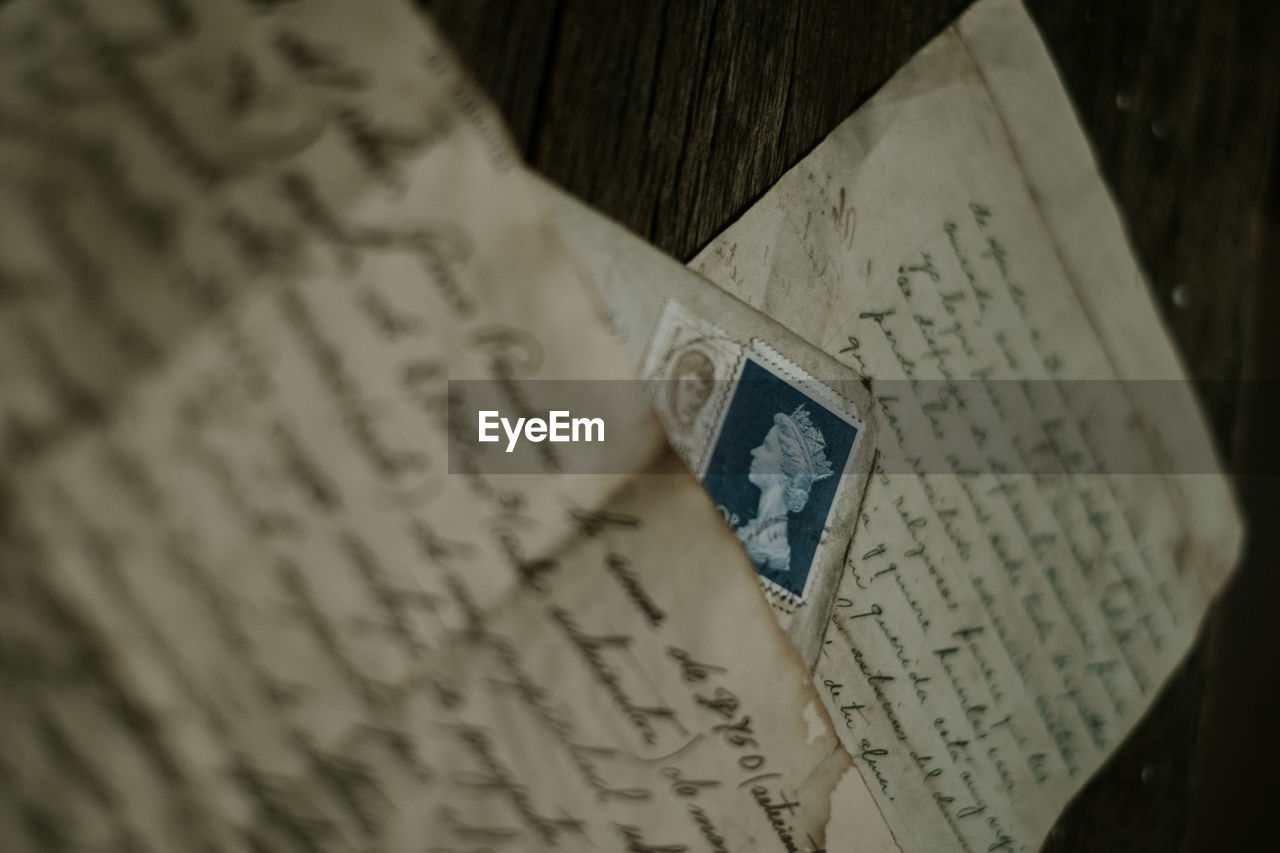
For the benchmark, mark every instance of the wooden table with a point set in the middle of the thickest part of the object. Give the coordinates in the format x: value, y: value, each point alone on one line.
x: 674, y: 116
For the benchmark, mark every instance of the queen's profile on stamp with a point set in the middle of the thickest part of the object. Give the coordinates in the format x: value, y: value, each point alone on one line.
x: 784, y: 468
x: 774, y: 471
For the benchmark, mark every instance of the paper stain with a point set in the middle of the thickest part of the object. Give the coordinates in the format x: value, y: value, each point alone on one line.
x: 813, y: 719
x: 858, y: 817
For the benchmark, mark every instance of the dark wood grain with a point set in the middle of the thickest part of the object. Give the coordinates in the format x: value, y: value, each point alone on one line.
x: 673, y: 117
x: 1180, y: 99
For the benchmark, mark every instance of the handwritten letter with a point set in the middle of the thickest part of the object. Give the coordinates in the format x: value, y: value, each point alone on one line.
x: 1012, y: 599
x: 244, y: 605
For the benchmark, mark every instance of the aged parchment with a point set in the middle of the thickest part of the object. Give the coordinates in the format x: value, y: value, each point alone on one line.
x: 1045, y: 530
x: 243, y: 604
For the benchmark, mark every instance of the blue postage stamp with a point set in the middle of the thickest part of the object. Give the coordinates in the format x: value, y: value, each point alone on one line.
x: 783, y: 456
x: 774, y: 471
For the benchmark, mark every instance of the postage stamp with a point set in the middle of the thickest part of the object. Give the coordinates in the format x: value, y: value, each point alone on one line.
x: 690, y: 367
x: 770, y: 443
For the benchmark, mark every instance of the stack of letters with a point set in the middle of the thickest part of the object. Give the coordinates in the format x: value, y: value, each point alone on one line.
x: 887, y: 518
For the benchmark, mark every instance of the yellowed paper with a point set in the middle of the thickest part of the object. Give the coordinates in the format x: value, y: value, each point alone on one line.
x: 245, y: 247
x: 999, y: 627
